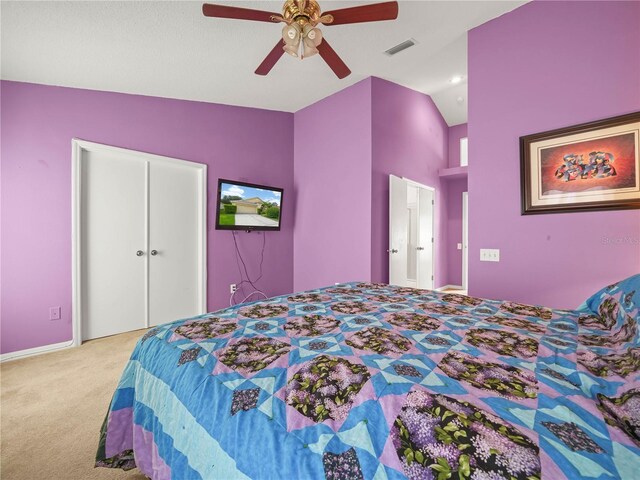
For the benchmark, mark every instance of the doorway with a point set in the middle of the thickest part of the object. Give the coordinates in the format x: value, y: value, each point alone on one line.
x: 139, y: 240
x: 411, y: 233
x: 465, y: 241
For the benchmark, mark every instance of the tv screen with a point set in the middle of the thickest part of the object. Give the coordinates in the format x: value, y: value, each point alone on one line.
x: 247, y: 206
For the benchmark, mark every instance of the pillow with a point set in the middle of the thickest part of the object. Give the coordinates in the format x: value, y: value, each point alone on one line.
x: 614, y: 303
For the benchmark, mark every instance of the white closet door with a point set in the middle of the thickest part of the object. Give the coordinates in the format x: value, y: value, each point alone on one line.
x: 113, y: 217
x: 425, y: 238
x: 398, y: 218
x: 175, y: 233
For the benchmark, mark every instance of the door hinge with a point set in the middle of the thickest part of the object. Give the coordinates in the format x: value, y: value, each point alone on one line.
x: 432, y: 240
x: 431, y: 277
x: 433, y: 202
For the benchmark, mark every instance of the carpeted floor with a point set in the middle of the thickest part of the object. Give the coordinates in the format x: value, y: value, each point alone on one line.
x: 454, y: 290
x: 52, y: 407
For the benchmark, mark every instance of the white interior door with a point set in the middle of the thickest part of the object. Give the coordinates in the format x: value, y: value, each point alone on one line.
x: 175, y: 236
x: 398, y: 218
x: 139, y: 240
x: 465, y: 241
x: 425, y: 238
x: 112, y: 218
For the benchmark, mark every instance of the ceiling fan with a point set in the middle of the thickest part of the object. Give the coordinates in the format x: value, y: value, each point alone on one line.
x: 300, y: 35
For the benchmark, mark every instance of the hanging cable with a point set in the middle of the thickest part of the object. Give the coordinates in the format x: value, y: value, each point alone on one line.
x: 240, y: 285
x: 248, y: 280
x: 252, y: 294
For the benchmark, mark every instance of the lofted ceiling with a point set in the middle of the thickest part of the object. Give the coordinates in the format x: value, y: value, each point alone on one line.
x: 169, y: 49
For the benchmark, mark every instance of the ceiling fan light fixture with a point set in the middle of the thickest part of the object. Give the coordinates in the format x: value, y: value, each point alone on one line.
x: 309, y: 48
x: 300, y: 37
x: 291, y: 35
x: 311, y: 38
x: 314, y: 35
x: 291, y: 50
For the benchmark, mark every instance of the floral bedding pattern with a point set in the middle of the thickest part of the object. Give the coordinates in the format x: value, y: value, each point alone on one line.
x: 461, y: 439
x: 325, y: 387
x: 371, y: 381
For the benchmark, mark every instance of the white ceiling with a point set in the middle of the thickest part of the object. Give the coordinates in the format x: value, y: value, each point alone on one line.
x: 169, y: 49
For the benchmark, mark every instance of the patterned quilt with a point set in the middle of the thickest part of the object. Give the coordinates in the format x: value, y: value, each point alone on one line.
x: 369, y: 381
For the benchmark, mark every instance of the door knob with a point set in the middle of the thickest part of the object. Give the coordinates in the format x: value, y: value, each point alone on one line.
x: 417, y: 248
x: 139, y: 253
x: 154, y: 252
x: 393, y: 250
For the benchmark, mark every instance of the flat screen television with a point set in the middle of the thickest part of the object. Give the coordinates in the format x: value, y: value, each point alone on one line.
x: 248, y: 206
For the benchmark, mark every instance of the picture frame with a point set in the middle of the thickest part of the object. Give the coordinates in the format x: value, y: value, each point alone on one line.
x: 588, y: 167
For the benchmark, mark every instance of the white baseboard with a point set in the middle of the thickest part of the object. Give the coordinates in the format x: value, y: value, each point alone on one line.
x: 450, y: 287
x: 35, y: 351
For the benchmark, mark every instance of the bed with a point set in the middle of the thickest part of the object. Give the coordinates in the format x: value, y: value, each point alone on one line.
x: 371, y: 381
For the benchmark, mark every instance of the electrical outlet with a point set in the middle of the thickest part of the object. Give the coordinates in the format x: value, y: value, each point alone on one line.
x: 489, y: 255
x: 232, y: 288
x: 54, y: 313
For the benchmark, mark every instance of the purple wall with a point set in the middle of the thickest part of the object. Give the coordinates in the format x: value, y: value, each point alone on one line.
x: 38, y: 123
x: 454, y: 230
x: 409, y: 140
x: 455, y: 134
x: 346, y: 145
x: 523, y: 86
x: 332, y: 182
x: 454, y: 207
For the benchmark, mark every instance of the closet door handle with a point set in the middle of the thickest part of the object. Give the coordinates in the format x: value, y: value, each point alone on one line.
x: 419, y: 248
x: 139, y: 253
x: 393, y: 250
x: 154, y: 252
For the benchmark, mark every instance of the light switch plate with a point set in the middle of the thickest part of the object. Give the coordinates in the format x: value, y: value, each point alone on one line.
x: 459, y: 246
x: 489, y: 255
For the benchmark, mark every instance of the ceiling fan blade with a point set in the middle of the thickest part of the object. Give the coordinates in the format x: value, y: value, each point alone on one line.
x: 271, y: 59
x: 224, y: 11
x: 333, y: 60
x: 364, y: 13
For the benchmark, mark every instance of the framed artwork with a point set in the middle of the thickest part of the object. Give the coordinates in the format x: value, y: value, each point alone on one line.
x: 593, y: 166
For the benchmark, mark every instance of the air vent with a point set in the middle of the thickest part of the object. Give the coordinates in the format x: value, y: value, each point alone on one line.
x: 400, y: 47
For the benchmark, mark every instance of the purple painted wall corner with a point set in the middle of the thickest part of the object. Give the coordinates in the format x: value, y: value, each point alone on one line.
x: 365, y: 132
x: 521, y: 87
x: 410, y: 139
x: 332, y: 182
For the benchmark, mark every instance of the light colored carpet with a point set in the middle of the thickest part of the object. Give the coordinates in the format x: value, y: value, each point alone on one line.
x: 454, y: 290
x: 53, y: 406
